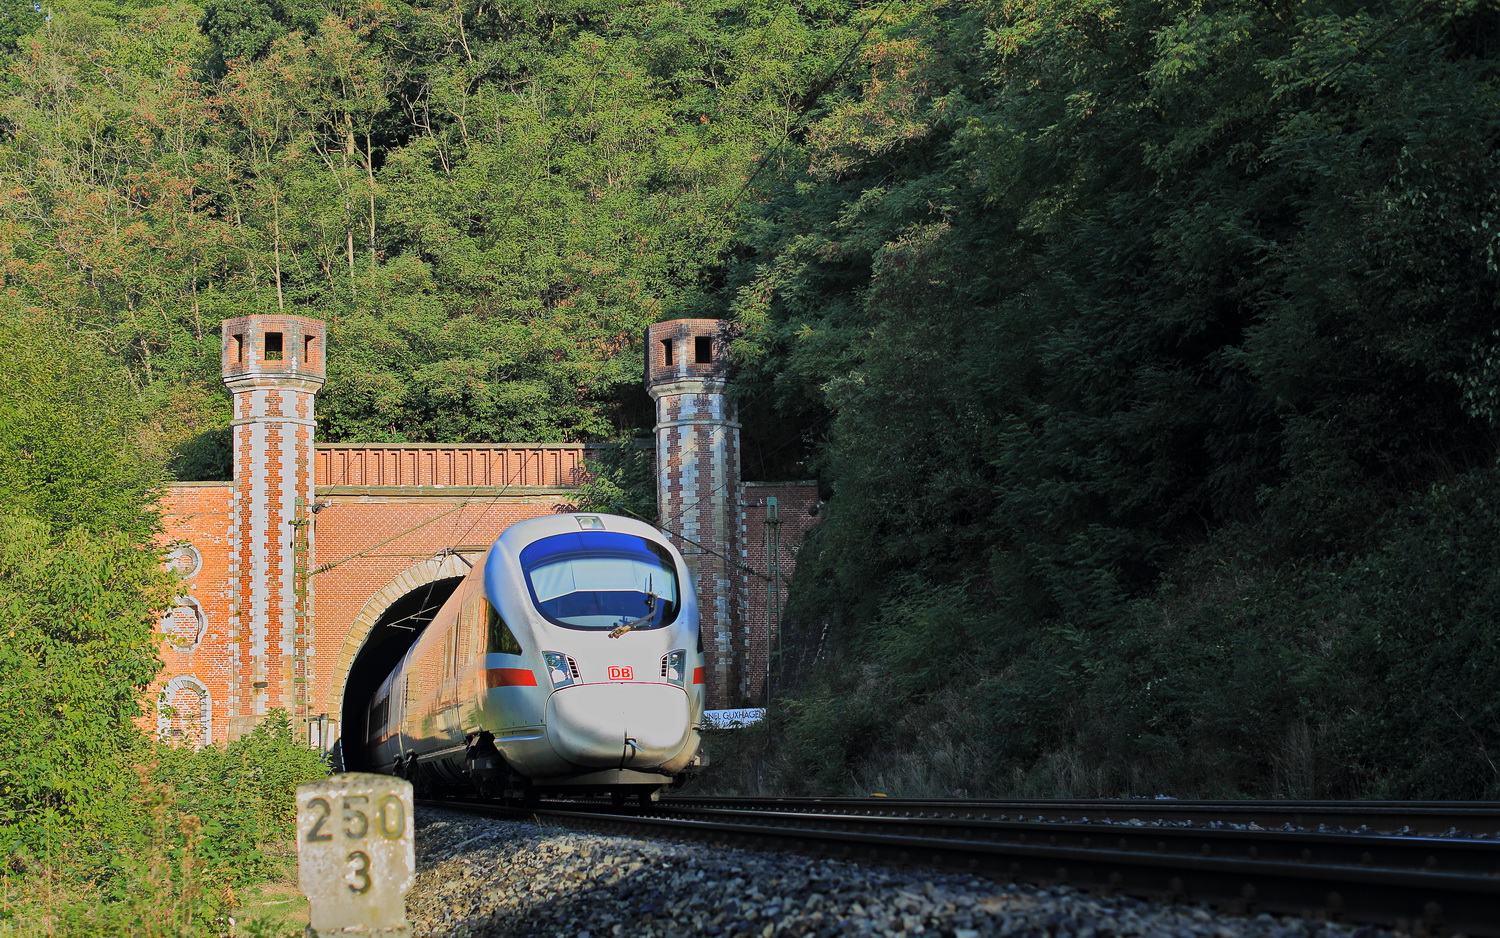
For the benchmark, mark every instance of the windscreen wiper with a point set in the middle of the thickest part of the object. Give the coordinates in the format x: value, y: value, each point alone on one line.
x: 624, y: 627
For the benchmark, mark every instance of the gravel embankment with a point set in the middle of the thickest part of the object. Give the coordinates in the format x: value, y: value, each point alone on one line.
x: 479, y: 877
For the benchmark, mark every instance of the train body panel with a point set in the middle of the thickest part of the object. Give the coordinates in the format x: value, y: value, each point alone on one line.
x: 574, y: 641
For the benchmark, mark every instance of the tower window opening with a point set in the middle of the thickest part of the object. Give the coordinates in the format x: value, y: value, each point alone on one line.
x: 703, y: 350
x: 666, y: 352
x: 239, y: 349
x: 309, y: 348
x: 273, y: 346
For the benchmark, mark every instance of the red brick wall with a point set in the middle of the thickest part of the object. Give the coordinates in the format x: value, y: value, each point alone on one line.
x: 365, y: 542
x: 197, y: 514
x: 350, y: 530
x: 474, y: 464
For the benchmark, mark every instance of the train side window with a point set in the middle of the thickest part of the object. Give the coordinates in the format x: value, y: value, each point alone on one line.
x: 380, y: 712
x: 450, y: 656
x: 502, y: 639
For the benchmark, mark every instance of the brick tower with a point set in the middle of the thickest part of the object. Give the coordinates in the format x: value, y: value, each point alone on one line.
x: 274, y: 366
x: 698, y: 481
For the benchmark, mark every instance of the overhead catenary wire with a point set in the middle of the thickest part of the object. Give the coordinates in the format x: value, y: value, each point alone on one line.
x: 490, y: 503
x: 661, y: 526
x: 420, y: 614
x: 325, y: 567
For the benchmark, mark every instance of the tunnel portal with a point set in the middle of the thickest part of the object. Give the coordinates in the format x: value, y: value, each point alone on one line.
x: 393, y: 634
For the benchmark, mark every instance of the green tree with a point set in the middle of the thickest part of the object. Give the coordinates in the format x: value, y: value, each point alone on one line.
x: 80, y: 578
x: 70, y: 434
x: 77, y: 612
x: 246, y: 29
x: 622, y: 481
x: 17, y: 18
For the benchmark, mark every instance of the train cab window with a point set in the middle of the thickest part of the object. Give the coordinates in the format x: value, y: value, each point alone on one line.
x: 601, y: 579
x: 502, y: 641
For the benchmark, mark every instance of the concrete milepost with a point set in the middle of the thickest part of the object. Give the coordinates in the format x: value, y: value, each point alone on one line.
x: 356, y: 855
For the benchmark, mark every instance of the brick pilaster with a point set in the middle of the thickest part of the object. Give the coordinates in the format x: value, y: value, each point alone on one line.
x: 273, y: 366
x: 698, y: 483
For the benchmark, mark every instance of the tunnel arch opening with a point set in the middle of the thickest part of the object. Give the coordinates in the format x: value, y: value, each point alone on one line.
x: 389, y: 639
x: 384, y: 630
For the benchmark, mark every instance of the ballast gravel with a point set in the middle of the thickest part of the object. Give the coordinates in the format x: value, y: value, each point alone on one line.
x: 481, y: 877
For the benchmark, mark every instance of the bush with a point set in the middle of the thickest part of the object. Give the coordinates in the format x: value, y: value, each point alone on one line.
x: 77, y: 653
x: 1426, y: 720
x: 621, y: 481
x: 1357, y: 676
x: 164, y: 847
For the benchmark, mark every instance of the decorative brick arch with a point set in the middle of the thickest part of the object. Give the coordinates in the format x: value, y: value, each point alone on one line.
x: 443, y: 567
x: 193, y: 722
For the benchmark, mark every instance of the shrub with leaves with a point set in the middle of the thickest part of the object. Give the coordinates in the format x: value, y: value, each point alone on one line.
x: 166, y: 842
x: 620, y: 481
x: 77, y: 652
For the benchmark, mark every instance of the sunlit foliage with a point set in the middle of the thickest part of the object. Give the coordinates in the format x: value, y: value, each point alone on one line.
x: 487, y: 202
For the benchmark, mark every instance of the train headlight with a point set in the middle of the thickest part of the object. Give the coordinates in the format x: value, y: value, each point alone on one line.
x: 559, y: 668
x: 673, y: 665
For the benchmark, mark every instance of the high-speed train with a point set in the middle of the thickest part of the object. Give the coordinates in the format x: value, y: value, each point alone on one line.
x: 567, y: 660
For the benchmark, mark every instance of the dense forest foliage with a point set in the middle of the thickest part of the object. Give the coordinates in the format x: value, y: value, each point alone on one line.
x: 1151, y: 354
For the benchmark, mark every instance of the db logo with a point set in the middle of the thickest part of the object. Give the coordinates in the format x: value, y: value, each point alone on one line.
x: 621, y: 674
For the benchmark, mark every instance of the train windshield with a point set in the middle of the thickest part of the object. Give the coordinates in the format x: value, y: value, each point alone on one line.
x: 601, y: 580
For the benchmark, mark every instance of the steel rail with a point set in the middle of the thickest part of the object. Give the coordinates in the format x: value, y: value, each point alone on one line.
x: 1421, y: 885
x: 1427, y: 854
x: 1418, y: 817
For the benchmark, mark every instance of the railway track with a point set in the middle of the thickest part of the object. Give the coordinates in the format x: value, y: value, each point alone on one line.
x: 1480, y: 818
x: 1239, y: 857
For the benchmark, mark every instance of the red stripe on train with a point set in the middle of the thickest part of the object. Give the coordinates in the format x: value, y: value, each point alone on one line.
x: 509, y: 677
x: 697, y: 675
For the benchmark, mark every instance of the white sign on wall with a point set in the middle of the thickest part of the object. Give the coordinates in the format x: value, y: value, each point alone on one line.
x: 733, y: 719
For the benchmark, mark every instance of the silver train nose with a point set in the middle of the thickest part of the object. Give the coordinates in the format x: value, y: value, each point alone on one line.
x: 635, y: 725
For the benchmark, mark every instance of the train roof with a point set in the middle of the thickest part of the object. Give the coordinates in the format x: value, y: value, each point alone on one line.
x: 522, y: 533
